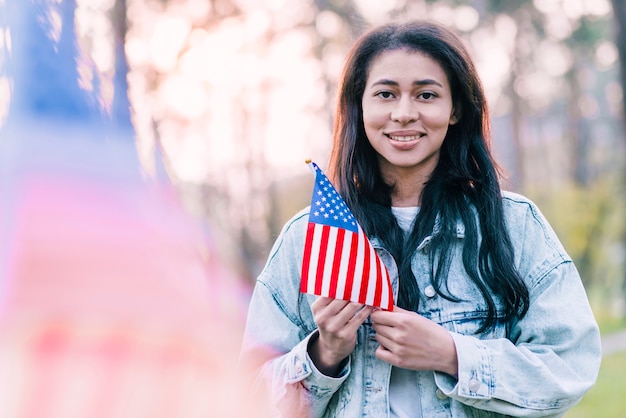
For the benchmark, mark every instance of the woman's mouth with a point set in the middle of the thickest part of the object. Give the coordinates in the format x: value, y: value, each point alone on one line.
x: 404, y: 138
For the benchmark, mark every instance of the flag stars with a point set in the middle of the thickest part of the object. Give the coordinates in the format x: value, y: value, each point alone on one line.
x: 328, y: 206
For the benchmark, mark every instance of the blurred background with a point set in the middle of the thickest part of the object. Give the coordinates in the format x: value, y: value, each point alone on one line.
x: 201, y: 113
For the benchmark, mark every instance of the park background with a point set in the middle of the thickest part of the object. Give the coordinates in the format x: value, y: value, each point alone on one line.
x: 217, y: 104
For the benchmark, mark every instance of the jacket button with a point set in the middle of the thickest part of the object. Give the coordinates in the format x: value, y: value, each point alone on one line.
x: 298, y: 367
x: 440, y: 395
x: 474, y: 385
x: 430, y: 291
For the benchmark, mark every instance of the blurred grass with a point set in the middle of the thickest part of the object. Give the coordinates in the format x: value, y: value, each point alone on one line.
x: 609, y: 323
x: 607, y: 399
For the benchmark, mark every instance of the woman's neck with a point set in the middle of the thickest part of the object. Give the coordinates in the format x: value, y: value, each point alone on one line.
x: 408, y: 183
x: 407, y: 191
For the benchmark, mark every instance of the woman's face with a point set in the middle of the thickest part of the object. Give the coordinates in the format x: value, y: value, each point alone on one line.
x: 407, y: 108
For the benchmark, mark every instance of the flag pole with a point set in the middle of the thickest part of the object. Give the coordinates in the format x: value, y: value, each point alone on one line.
x: 311, y: 166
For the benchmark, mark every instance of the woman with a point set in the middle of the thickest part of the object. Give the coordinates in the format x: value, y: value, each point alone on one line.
x: 492, y: 318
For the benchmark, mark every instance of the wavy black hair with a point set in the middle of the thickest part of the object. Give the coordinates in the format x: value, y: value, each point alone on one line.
x: 464, y: 185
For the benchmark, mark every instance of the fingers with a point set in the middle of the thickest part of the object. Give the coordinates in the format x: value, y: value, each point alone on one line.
x: 362, y: 313
x: 339, y: 317
x: 384, y: 354
x: 341, y: 309
x: 338, y: 322
x: 387, y: 318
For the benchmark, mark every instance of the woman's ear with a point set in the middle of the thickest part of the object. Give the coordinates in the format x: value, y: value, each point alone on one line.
x: 456, y: 114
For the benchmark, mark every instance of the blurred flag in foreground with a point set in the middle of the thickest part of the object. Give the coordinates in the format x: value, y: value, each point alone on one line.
x: 115, y: 302
x: 339, y: 261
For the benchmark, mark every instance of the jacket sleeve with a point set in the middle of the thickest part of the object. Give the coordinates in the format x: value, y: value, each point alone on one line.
x: 278, y: 329
x: 551, y: 356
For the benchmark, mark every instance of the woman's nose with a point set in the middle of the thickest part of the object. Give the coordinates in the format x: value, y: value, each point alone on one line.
x: 405, y: 111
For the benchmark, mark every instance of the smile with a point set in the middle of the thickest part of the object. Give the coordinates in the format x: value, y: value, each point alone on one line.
x: 404, y: 138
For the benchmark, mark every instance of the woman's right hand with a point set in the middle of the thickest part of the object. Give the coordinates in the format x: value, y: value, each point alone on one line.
x: 338, y: 322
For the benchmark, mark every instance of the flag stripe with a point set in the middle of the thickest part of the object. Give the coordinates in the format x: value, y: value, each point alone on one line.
x: 306, y: 260
x: 365, y: 275
x: 345, y: 264
x: 332, y: 291
x: 387, y: 287
x: 322, y: 259
x: 352, y: 256
x: 373, y: 278
x: 379, y: 285
x: 315, y: 252
x: 328, y: 267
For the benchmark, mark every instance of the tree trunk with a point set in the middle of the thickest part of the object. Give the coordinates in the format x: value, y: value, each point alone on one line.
x: 120, y: 109
x: 619, y: 11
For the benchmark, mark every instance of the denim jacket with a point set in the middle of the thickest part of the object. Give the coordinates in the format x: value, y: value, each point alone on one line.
x: 539, y: 365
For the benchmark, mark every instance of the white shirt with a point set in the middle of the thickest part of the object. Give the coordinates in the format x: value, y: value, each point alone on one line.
x: 404, y: 395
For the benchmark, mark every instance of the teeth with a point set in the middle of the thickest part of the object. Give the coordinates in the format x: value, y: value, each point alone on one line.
x: 404, y: 138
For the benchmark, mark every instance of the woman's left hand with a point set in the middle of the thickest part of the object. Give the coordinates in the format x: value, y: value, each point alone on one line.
x: 410, y: 341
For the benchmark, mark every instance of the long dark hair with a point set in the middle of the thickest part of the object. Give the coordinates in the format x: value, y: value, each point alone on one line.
x: 464, y: 185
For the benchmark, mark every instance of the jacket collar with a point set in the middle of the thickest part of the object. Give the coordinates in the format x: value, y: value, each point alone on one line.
x: 460, y: 234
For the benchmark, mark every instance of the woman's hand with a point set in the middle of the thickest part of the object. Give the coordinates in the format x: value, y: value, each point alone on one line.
x: 338, y: 322
x: 410, y: 341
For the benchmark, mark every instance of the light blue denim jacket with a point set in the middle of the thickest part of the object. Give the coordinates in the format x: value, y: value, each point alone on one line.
x: 540, y: 365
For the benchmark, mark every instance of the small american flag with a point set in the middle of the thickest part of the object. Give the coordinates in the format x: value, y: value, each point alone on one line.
x: 339, y: 261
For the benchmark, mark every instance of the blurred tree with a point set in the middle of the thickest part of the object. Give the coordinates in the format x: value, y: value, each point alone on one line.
x: 619, y: 12
x: 120, y: 108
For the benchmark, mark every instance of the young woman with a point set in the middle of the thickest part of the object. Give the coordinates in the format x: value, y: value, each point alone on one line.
x: 491, y: 317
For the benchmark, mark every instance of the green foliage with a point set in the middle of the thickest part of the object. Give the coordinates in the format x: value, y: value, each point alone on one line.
x: 590, y: 223
x: 507, y: 6
x: 589, y: 33
x: 606, y: 399
x: 608, y: 321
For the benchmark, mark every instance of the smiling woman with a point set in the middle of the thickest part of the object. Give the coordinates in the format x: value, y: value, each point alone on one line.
x: 407, y: 108
x: 491, y: 319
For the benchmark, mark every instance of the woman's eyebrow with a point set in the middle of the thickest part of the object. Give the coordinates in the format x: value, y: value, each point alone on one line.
x: 424, y: 82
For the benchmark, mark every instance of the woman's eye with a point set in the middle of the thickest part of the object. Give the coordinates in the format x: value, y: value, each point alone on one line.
x: 385, y: 94
x: 427, y: 95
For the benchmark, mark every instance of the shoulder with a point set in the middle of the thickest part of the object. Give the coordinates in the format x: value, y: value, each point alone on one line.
x: 537, y: 246
x: 289, y: 243
x: 295, y: 226
x: 520, y: 210
x: 516, y: 201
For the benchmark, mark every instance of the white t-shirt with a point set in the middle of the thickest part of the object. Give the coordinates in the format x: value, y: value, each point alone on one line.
x: 405, y: 216
x: 403, y: 391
